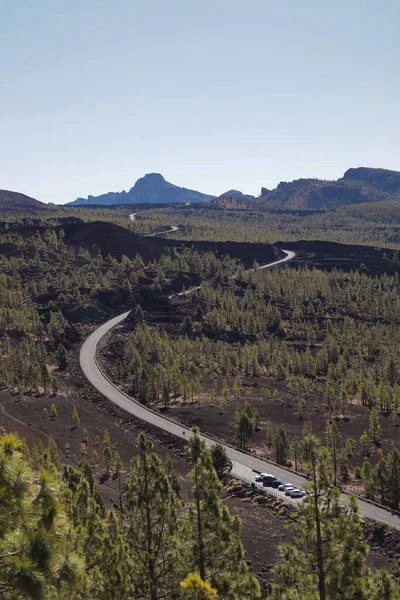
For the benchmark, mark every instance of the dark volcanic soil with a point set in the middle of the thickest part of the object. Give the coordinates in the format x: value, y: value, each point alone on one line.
x: 31, y: 419
x: 329, y: 255
x: 97, y: 414
x: 246, y: 252
x: 262, y: 532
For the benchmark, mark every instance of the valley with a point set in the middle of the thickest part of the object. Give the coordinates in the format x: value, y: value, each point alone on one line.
x: 258, y: 345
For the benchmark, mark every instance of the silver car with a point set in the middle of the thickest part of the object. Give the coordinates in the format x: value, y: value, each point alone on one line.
x: 283, y: 487
x: 296, y: 493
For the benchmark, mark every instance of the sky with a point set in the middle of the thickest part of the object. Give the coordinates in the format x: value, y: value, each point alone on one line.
x: 213, y: 94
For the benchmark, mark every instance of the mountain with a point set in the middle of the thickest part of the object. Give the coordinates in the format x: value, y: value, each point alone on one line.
x: 237, y: 195
x: 356, y: 186
x: 16, y: 203
x: 381, y: 179
x: 150, y: 189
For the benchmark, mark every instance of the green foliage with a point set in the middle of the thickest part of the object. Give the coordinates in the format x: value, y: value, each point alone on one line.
x: 36, y: 555
x: 75, y: 417
x: 62, y: 356
x: 220, y: 459
x: 213, y: 548
x: 243, y: 425
x: 281, y: 445
x: 374, y: 427
x: 107, y: 451
x: 329, y: 560
x: 153, y: 507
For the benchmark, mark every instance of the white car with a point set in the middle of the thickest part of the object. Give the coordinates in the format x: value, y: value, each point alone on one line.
x: 261, y: 476
x: 297, y: 493
x: 289, y: 490
x: 283, y: 487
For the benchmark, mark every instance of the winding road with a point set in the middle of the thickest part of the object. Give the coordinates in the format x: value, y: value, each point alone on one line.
x: 132, y: 217
x: 157, y: 233
x: 244, y: 464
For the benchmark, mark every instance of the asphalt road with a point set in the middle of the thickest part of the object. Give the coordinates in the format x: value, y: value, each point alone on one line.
x: 245, y: 465
x: 132, y: 217
x: 157, y: 233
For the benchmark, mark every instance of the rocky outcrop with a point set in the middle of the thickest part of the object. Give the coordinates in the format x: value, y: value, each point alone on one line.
x: 381, y: 179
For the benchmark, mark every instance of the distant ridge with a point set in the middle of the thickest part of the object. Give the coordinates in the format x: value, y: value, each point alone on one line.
x: 237, y: 195
x: 363, y: 184
x: 150, y: 189
x: 16, y: 203
x: 381, y: 179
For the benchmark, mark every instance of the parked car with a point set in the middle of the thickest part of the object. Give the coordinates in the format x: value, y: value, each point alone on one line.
x: 297, y: 493
x: 283, y: 487
x: 268, y: 480
x: 277, y: 483
x: 290, y: 489
x: 260, y: 476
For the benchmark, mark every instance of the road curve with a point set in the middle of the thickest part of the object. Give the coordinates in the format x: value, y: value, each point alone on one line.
x: 244, y: 464
x: 132, y: 217
x: 157, y: 233
x: 289, y: 256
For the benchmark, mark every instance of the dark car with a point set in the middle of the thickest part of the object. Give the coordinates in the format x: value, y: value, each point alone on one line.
x: 268, y: 480
x: 277, y: 483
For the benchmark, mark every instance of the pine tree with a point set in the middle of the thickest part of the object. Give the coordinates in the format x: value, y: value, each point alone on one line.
x: 243, y: 427
x: 368, y: 482
x: 333, y: 443
x: 215, y: 550
x: 153, y: 508
x: 75, y: 417
x: 220, y: 459
x: 393, y: 477
x: 62, y: 357
x: 281, y: 446
x: 117, y: 565
x: 36, y: 556
x: 107, y: 451
x: 375, y: 429
x: 269, y: 432
x: 379, y: 475
x: 329, y: 560
x: 364, y: 443
x: 85, y: 508
x: 52, y: 453
x: 118, y: 476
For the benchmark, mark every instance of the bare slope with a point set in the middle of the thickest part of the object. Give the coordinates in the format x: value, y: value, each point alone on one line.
x: 19, y: 204
x: 111, y: 239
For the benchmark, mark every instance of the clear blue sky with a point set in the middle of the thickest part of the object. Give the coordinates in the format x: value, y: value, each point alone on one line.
x: 213, y: 94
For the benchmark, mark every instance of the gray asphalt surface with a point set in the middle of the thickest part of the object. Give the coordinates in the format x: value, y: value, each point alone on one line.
x: 245, y: 465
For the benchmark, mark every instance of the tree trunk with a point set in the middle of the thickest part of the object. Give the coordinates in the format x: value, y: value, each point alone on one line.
x: 320, y: 556
x: 150, y: 564
x: 202, y: 568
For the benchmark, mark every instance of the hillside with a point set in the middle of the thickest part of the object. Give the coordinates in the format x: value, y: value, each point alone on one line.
x: 237, y: 195
x: 381, y: 179
x: 111, y: 239
x: 317, y: 194
x: 151, y: 189
x: 16, y: 203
